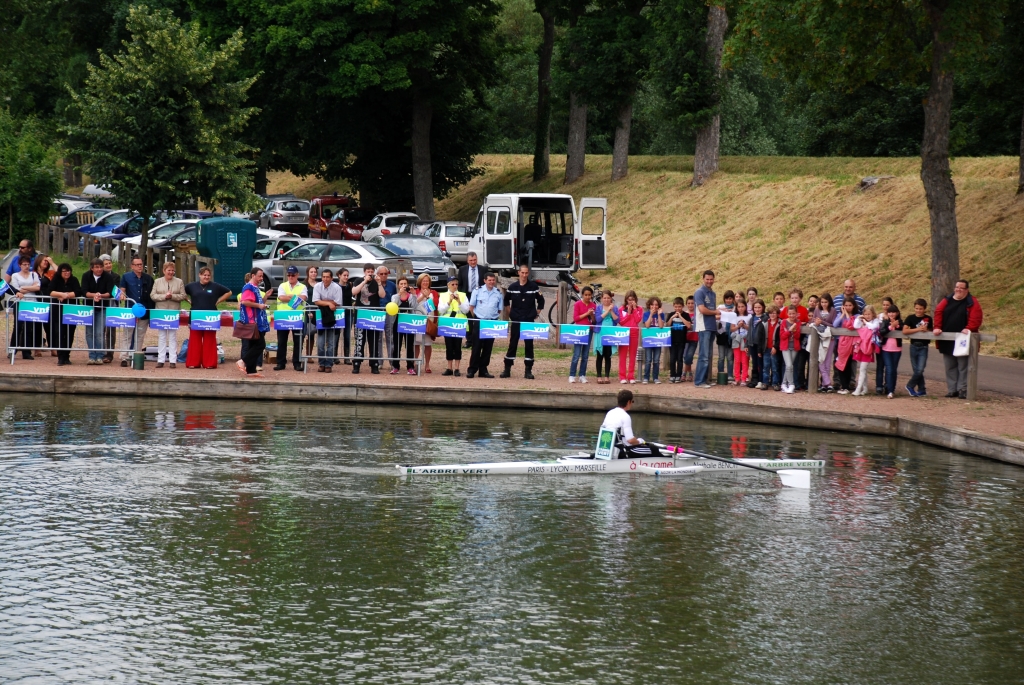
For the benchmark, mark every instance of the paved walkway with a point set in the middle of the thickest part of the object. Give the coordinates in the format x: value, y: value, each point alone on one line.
x: 995, y: 374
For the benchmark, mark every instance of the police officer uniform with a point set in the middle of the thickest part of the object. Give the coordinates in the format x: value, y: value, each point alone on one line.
x: 524, y: 301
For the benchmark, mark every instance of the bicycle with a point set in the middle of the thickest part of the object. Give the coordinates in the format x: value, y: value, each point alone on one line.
x: 575, y: 293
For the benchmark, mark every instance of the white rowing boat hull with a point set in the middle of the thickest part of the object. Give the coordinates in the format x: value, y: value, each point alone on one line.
x: 583, y: 465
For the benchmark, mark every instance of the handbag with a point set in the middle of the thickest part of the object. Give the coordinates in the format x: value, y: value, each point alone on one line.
x: 245, y: 331
x: 962, y: 344
x: 432, y: 327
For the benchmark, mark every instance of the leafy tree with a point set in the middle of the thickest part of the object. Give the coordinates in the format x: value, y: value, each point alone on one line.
x: 158, y: 123
x: 29, y: 178
x: 844, y: 45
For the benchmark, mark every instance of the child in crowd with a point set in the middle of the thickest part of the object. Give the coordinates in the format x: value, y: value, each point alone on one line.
x: 653, y: 318
x: 821, y: 318
x: 779, y: 300
x: 606, y: 314
x: 582, y: 315
x: 789, y: 341
x: 772, y: 341
x: 722, y: 339
x: 406, y: 302
x: 692, y: 339
x: 880, y: 383
x: 918, y: 322
x: 738, y: 337
x: 802, y: 355
x: 751, y: 298
x: 630, y: 316
x: 679, y: 324
x: 755, y: 343
x: 864, y: 352
x: 892, y: 347
x: 845, y: 318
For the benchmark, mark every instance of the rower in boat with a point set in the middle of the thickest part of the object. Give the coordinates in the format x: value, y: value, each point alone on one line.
x: 617, y: 434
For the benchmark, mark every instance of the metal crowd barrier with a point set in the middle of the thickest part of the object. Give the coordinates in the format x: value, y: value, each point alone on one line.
x: 361, y: 326
x: 47, y: 324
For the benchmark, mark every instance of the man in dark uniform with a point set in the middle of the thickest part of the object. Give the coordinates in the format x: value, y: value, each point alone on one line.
x: 523, y: 302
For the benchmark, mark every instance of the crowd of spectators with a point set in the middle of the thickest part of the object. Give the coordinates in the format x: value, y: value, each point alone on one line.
x: 759, y: 344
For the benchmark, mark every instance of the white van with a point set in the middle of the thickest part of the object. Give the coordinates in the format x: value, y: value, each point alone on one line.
x: 542, y: 230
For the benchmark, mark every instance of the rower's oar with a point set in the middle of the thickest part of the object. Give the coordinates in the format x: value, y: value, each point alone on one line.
x: 793, y: 478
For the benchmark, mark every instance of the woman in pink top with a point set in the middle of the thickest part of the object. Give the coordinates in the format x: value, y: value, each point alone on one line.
x: 630, y: 316
x: 892, y: 348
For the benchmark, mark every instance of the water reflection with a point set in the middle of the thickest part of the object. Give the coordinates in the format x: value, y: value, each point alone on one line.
x: 197, y: 541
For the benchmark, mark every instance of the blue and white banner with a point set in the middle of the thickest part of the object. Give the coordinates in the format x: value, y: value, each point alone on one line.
x: 205, y: 320
x: 4, y: 286
x: 76, y: 315
x: 370, y: 320
x: 656, y: 337
x: 614, y: 336
x: 412, y: 323
x: 339, y: 319
x: 493, y: 330
x: 120, y: 317
x: 569, y: 334
x: 115, y: 294
x: 285, y: 320
x: 164, y: 319
x: 451, y: 327
x: 35, y: 312
x: 533, y: 331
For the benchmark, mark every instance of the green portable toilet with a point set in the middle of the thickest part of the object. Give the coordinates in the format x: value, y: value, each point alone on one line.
x: 231, y: 242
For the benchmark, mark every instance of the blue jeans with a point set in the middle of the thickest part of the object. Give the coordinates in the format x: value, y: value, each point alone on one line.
x: 892, y: 362
x: 918, y: 360
x: 580, y: 354
x: 688, y: 352
x: 725, y: 360
x: 705, y: 343
x: 326, y: 347
x: 94, y: 334
x: 652, y: 357
x: 771, y: 374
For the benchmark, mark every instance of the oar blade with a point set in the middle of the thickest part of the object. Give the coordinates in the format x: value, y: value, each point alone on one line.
x: 795, y: 478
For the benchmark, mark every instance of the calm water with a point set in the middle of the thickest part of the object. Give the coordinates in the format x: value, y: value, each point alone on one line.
x: 192, y: 542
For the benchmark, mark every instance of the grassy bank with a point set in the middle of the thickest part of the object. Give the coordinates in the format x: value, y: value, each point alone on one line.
x: 778, y: 222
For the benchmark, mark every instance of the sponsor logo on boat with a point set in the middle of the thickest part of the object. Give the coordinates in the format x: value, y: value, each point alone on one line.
x: 651, y: 464
x: 444, y: 471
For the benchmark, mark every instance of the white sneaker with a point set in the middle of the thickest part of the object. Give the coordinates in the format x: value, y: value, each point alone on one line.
x: 632, y: 382
x: 572, y: 379
x: 788, y: 389
x: 890, y: 396
x: 622, y: 382
x: 657, y: 382
x: 583, y: 379
x: 758, y: 386
x: 643, y: 382
x: 844, y: 391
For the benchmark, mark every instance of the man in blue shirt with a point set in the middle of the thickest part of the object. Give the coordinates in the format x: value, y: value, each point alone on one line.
x: 706, y: 324
x: 26, y: 248
x: 485, y: 303
x: 137, y: 286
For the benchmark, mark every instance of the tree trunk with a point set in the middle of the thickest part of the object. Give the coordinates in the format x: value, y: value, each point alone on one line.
x: 576, y: 156
x: 422, y: 174
x: 69, y: 172
x: 1020, y: 173
x: 542, y: 139
x: 620, y: 149
x: 259, y: 180
x: 705, y: 157
x: 935, y: 173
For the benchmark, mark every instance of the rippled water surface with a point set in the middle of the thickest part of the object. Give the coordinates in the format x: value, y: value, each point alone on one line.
x: 192, y: 542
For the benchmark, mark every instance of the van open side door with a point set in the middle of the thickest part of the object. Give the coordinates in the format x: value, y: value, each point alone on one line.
x: 498, y: 234
x: 592, y: 233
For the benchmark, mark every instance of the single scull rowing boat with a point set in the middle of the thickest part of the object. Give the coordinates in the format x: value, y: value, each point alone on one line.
x: 682, y: 465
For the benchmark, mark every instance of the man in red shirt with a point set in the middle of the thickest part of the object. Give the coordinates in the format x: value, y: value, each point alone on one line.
x: 959, y: 313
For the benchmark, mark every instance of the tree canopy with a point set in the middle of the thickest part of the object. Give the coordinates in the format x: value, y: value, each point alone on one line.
x: 29, y: 178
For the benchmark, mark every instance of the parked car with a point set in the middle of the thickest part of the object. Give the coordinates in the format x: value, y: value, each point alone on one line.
x: 67, y: 204
x: 290, y: 214
x: 322, y: 208
x: 452, y: 237
x: 386, y: 224
x: 426, y: 257
x: 268, y: 250
x: 159, y: 237
x: 72, y: 219
x: 417, y: 227
x: 346, y: 224
x: 333, y: 254
x: 107, y: 222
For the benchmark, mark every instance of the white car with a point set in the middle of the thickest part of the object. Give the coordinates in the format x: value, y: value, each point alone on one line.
x: 452, y: 237
x: 158, y: 236
x: 386, y: 224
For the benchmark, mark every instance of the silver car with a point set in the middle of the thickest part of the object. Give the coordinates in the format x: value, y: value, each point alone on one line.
x: 452, y: 237
x: 289, y: 214
x: 335, y: 255
x: 387, y: 224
